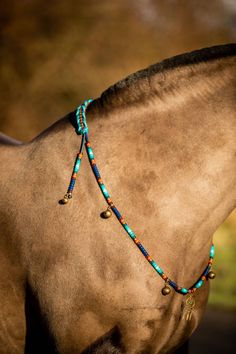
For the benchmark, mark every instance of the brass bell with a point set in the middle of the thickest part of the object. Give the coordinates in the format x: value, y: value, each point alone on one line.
x: 66, y: 198
x: 166, y: 290
x: 211, y: 275
x: 106, y: 214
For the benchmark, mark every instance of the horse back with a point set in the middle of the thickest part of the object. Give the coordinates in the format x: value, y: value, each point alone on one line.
x: 7, y: 140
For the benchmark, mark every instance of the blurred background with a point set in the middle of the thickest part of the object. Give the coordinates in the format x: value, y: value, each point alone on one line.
x: 54, y: 54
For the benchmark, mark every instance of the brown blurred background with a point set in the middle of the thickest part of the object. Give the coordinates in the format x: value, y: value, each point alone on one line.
x: 54, y: 54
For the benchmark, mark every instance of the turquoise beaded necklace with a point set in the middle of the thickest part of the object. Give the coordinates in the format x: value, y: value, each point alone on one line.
x: 82, y: 129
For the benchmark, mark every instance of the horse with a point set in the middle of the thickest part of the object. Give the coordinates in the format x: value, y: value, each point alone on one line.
x: 71, y: 281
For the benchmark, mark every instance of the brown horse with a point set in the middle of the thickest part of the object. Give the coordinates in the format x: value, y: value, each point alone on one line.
x: 72, y: 282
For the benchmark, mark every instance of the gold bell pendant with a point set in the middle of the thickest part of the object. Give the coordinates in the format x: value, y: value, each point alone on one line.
x: 166, y: 290
x: 211, y: 275
x: 106, y: 214
x: 66, y: 198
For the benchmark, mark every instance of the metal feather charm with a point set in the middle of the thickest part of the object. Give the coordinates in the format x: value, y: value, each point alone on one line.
x: 189, y: 306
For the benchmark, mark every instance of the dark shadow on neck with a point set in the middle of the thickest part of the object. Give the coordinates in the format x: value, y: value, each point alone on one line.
x: 73, y: 120
x: 109, y: 343
x: 38, y: 337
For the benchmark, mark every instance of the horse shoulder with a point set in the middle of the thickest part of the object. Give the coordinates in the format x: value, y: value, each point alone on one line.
x: 12, y: 297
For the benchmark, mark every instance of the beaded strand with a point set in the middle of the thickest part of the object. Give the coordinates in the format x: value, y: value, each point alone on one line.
x: 77, y: 164
x: 82, y: 129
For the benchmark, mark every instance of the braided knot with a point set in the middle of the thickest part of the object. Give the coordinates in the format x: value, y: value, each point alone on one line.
x: 80, y: 113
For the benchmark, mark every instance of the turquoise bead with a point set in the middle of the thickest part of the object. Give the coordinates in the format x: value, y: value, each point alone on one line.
x: 130, y: 232
x: 184, y: 290
x: 77, y: 165
x: 212, y: 251
x: 157, y: 268
x: 104, y: 191
x: 198, y: 284
x: 90, y: 152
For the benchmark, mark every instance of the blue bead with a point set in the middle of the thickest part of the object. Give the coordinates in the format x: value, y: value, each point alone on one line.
x: 206, y: 270
x: 173, y: 284
x: 96, y: 172
x: 142, y: 249
x: 117, y: 213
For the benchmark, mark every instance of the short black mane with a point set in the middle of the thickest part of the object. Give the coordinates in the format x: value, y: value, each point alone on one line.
x: 197, y: 56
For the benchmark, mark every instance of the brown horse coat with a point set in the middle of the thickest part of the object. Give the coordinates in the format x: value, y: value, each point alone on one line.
x: 164, y: 140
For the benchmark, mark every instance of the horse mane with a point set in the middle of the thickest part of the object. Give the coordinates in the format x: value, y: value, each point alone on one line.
x: 133, y: 87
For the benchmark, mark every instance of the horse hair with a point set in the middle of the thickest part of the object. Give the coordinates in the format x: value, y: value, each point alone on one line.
x: 114, y: 95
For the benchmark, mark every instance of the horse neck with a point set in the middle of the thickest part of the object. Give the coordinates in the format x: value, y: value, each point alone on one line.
x: 168, y: 160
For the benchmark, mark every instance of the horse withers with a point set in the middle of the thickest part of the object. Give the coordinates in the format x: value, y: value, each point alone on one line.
x: 73, y: 282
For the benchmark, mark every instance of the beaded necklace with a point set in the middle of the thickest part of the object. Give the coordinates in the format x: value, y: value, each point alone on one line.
x: 82, y: 129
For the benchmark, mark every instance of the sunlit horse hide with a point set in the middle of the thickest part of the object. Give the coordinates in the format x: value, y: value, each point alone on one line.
x: 72, y: 282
